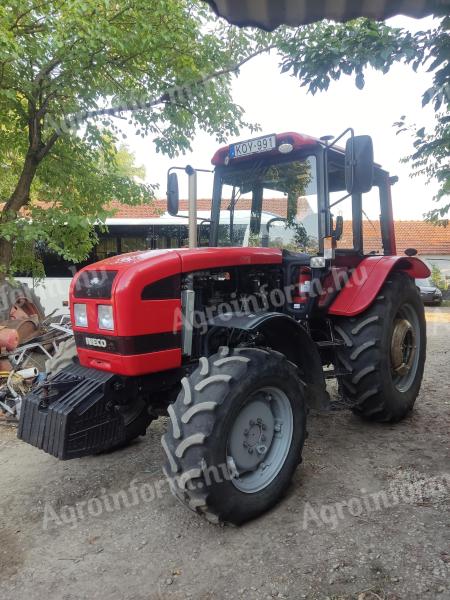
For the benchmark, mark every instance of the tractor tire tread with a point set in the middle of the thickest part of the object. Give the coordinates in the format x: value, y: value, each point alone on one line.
x: 364, y: 351
x: 193, y: 418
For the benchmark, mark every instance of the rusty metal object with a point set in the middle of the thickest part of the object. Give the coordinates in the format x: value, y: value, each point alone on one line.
x: 403, y: 347
x: 25, y: 309
x: 17, y: 300
x: 9, y: 339
x: 26, y: 329
x: 24, y: 333
x: 22, y: 325
x: 5, y: 365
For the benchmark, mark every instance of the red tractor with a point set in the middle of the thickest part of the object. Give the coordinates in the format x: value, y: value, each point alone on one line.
x: 235, y: 341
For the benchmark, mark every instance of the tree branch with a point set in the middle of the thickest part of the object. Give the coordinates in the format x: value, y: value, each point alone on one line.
x: 47, y: 146
x: 47, y: 70
x: 166, y: 96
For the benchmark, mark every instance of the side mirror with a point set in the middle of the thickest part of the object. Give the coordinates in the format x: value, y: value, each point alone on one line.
x: 172, y: 194
x: 359, y: 164
x: 338, y: 228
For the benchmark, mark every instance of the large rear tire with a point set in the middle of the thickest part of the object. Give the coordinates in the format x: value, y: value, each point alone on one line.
x: 236, y: 434
x: 385, y: 349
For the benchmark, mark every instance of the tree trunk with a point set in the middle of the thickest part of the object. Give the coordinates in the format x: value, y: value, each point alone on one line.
x: 19, y: 198
x: 5, y: 257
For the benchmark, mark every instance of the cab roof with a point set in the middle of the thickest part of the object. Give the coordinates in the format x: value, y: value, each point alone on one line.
x: 298, y: 141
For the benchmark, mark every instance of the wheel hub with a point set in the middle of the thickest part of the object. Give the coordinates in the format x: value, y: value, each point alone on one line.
x: 259, y: 439
x: 252, y: 435
x: 403, y: 347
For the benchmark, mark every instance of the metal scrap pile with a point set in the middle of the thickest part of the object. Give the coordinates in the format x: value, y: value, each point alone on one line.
x: 27, y: 340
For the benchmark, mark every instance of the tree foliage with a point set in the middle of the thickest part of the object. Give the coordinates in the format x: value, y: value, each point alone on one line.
x: 324, y: 51
x: 73, y: 71
x: 431, y: 155
x: 69, y: 72
x: 64, y: 224
x: 438, y: 278
x: 126, y: 164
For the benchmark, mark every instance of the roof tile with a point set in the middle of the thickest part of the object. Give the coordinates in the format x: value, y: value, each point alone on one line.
x: 427, y: 238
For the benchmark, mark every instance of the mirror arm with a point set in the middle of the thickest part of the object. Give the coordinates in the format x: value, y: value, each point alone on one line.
x: 335, y: 141
x: 266, y: 237
x: 272, y: 220
x: 199, y: 234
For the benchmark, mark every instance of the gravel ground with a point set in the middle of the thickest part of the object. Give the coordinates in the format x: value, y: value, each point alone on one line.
x: 328, y: 539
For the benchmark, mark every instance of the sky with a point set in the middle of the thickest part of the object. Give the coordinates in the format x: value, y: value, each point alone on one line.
x: 278, y: 103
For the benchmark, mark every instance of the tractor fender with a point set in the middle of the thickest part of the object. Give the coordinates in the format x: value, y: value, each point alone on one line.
x: 284, y: 334
x: 367, y: 279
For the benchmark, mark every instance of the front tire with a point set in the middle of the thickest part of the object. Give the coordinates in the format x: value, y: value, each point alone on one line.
x: 236, y: 434
x: 384, y: 351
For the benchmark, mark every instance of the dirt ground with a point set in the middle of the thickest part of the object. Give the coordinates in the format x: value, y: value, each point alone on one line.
x: 328, y: 539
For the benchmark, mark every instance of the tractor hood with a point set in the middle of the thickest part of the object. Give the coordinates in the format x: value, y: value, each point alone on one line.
x: 141, y: 294
x: 140, y: 269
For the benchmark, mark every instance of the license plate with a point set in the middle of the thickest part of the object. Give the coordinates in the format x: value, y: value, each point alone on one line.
x: 255, y: 146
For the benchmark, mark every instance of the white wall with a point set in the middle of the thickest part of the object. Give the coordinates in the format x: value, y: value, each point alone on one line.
x: 52, y: 292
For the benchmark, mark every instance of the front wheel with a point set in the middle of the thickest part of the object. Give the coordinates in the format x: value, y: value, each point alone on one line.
x: 384, y: 352
x: 236, y: 434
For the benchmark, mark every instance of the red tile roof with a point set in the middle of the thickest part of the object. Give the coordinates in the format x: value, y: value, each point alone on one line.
x: 142, y: 211
x: 425, y: 237
x: 277, y: 206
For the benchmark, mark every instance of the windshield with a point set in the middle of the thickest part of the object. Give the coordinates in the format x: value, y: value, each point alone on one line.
x: 270, y: 205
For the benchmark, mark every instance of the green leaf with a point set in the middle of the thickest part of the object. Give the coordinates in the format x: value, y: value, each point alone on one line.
x: 359, y: 81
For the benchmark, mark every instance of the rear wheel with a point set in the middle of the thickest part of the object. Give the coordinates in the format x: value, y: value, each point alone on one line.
x: 236, y: 434
x: 384, y: 351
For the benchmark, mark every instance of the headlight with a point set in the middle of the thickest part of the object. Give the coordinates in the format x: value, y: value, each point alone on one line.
x: 80, y: 314
x: 105, y: 317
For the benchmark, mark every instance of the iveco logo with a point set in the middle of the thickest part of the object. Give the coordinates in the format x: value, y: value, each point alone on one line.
x: 95, y: 342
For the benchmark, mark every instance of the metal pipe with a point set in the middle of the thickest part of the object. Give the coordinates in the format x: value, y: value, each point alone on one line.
x: 29, y: 373
x: 215, y: 210
x: 192, y: 196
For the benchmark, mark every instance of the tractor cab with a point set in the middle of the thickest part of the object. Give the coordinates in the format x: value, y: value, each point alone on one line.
x: 326, y: 207
x: 297, y: 192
